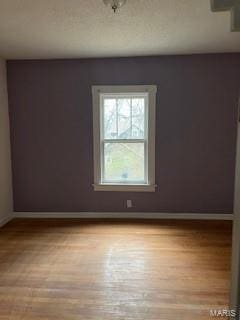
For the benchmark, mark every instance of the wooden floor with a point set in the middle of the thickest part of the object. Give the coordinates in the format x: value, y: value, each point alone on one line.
x: 74, y: 269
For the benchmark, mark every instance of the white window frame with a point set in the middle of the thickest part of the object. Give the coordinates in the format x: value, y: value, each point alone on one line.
x: 148, y: 91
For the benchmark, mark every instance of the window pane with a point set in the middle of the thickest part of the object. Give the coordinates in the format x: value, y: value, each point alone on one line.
x: 124, y: 162
x: 138, y: 114
x: 124, y: 118
x: 110, y: 119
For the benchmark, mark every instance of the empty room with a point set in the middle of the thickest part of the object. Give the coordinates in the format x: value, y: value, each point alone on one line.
x: 119, y: 159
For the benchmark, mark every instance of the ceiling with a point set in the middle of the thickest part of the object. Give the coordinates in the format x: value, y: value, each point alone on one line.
x: 31, y: 29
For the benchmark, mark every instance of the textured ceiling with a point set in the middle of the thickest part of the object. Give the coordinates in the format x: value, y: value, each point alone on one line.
x: 87, y: 28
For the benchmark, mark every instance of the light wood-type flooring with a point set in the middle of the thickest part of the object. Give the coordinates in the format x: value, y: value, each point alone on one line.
x: 53, y: 269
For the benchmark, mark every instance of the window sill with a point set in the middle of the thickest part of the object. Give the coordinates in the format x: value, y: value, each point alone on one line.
x: 124, y: 188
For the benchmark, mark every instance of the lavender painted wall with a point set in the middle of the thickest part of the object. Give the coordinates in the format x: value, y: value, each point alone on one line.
x: 51, y: 132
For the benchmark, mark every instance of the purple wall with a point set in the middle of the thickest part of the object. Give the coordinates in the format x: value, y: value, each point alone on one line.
x: 51, y: 132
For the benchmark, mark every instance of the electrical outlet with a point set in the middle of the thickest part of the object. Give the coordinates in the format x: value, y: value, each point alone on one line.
x: 129, y: 204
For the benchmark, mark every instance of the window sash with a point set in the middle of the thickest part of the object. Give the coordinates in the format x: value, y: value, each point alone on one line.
x: 130, y: 96
x: 121, y: 182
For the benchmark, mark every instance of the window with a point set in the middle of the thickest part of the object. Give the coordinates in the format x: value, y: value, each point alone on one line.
x: 124, y: 138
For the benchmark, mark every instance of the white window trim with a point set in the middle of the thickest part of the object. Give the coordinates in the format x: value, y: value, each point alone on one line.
x: 97, y: 91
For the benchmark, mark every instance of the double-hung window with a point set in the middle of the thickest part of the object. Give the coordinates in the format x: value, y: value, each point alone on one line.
x: 124, y: 138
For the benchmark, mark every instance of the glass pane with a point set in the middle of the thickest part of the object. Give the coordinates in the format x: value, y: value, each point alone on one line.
x: 124, y: 162
x: 138, y: 114
x: 124, y: 118
x: 110, y: 119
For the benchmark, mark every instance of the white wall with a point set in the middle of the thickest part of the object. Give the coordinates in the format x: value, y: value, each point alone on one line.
x: 6, y: 203
x: 235, y: 282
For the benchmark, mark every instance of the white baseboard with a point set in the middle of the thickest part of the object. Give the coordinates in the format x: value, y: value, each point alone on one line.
x: 6, y: 219
x: 125, y: 215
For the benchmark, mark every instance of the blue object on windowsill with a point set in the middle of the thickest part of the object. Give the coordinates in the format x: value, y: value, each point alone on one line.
x: 125, y: 175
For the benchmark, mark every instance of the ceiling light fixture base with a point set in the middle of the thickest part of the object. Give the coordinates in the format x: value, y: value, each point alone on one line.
x: 115, y: 4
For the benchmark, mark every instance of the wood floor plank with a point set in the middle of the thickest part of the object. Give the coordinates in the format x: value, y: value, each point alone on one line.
x: 113, y: 270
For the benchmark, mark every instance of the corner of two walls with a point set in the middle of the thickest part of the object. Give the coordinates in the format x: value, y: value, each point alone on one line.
x: 6, y: 198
